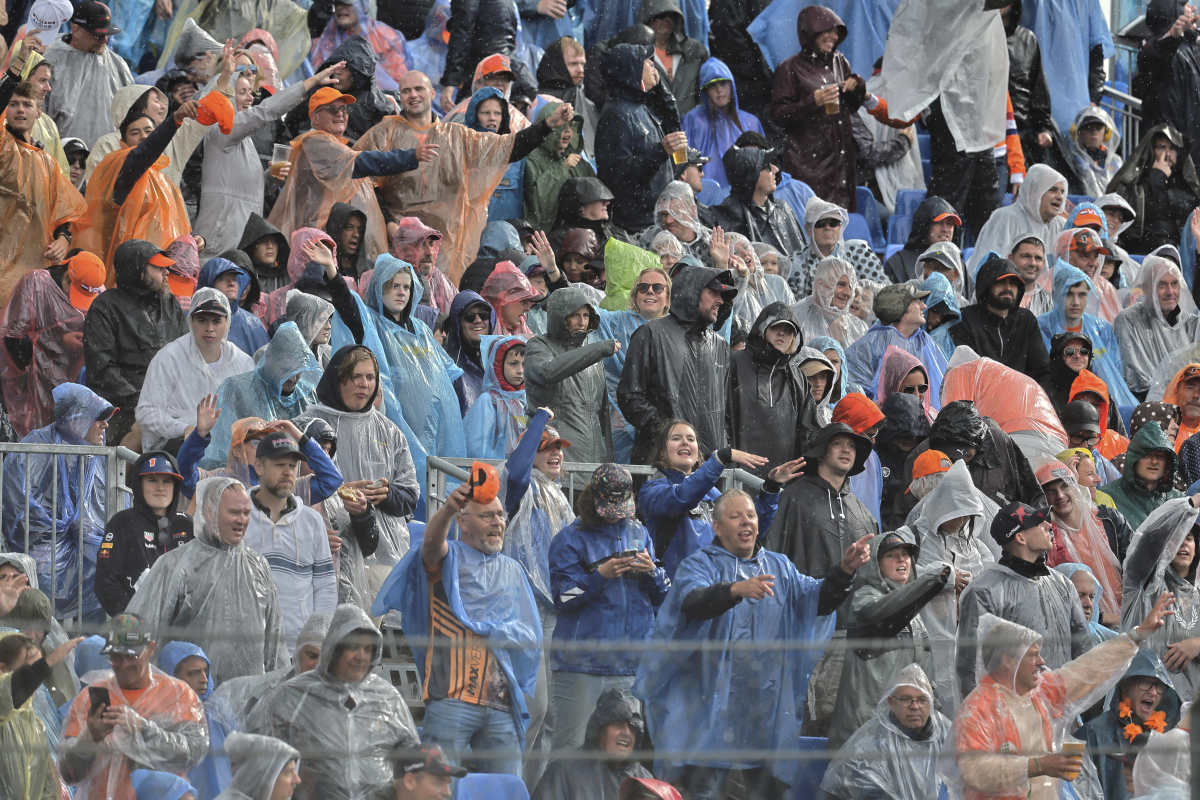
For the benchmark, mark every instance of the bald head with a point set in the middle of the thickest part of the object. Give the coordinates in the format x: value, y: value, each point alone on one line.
x: 416, y: 96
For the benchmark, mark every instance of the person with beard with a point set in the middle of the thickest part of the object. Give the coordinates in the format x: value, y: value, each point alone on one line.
x: 560, y: 74
x: 1159, y: 180
x: 935, y: 220
x: 997, y: 327
x: 906, y: 426
x: 1184, y: 392
x: 290, y: 535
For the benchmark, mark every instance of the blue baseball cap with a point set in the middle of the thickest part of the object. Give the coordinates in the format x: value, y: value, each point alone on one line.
x: 157, y: 462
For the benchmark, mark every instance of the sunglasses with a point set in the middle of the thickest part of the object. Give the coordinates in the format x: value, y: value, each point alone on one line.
x: 920, y: 389
x: 647, y: 288
x: 1085, y: 438
x: 251, y: 68
x: 827, y: 223
x: 476, y: 316
x: 1071, y: 351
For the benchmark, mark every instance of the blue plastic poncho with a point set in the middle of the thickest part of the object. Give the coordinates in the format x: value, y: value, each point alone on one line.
x: 867, y: 26
x: 1067, y: 30
x: 1106, y: 350
x: 490, y: 595
x: 59, y: 528
x: 863, y: 357
x: 246, y: 330
x: 940, y: 291
x: 428, y: 52
x: 604, y: 19
x: 260, y: 393
x: 494, y: 424
x: 150, y: 784
x: 709, y: 130
x: 867, y: 486
x: 212, y: 775
x: 496, y: 238
x: 420, y: 396
x: 735, y: 694
x: 1100, y: 633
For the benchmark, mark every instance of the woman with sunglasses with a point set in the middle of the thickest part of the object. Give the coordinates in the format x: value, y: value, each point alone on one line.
x: 901, y: 371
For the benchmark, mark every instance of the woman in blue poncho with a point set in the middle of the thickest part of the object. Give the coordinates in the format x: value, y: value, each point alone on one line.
x: 716, y: 123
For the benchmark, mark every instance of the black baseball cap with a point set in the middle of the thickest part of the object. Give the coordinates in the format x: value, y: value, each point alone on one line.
x: 276, y: 444
x: 426, y: 758
x: 210, y: 306
x: 1014, y: 518
x: 95, y: 18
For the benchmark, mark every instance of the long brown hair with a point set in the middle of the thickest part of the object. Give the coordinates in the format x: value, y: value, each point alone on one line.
x: 585, y: 507
x: 660, y: 460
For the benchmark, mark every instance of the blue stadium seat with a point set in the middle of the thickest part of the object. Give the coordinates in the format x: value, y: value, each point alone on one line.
x: 907, y: 201
x: 869, y: 209
x: 966, y: 254
x: 898, y: 229
x: 713, y: 192
x: 482, y: 786
x: 1136, y: 258
x: 1080, y: 198
x: 923, y: 145
x: 927, y: 170
x: 857, y: 228
x: 891, y: 250
x: 812, y: 769
x: 1126, y: 414
x: 1008, y: 198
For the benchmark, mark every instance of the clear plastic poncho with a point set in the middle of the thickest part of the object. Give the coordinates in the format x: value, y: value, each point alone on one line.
x: 1087, y: 544
x: 230, y: 19
x: 754, y: 293
x: 544, y: 511
x: 495, y: 421
x: 1021, y: 218
x: 162, y: 728
x: 260, y: 393
x: 1148, y: 573
x: 817, y: 313
x: 1163, y: 768
x: 66, y: 498
x: 1095, y: 178
x: 775, y: 285
x: 219, y: 597
x: 1146, y: 337
x: 311, y: 314
x: 1100, y: 633
x: 38, y: 311
x: 678, y: 200
x: 27, y: 770
x: 344, y: 731
x: 881, y: 760
x: 257, y: 762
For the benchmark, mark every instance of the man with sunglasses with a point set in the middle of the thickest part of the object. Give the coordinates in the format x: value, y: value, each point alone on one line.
x: 996, y: 327
x: 88, y: 74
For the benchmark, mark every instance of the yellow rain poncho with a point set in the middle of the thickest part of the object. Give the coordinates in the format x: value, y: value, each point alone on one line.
x: 26, y: 765
x: 45, y: 130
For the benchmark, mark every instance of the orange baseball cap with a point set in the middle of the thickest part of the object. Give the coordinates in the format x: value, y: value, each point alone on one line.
x: 86, y: 273
x: 161, y: 259
x: 950, y: 216
x: 181, y: 285
x: 327, y: 95
x: 496, y: 63
x: 1088, y: 216
x: 931, y: 462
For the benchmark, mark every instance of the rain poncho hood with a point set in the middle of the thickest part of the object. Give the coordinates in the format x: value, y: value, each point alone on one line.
x: 712, y: 131
x: 1100, y: 633
x: 942, y: 293
x: 817, y: 313
x: 494, y: 423
x: 894, y: 367
x: 863, y: 356
x: 844, y: 386
x: 1147, y: 337
x: 257, y: 762
x: 1095, y: 178
x: 507, y: 285
x: 174, y: 652
x: 386, y: 42
x: 1133, y: 500
x: 487, y: 93
x: 339, y: 216
x: 1021, y: 218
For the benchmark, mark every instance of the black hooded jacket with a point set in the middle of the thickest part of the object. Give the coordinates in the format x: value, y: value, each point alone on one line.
x: 478, y: 29
x: 1162, y: 204
x: 257, y: 228
x: 370, y: 104
x: 1014, y: 340
x: 1059, y: 376
x: 771, y: 412
x: 687, y: 54
x: 574, y: 195
x: 593, y: 74
x: 338, y: 215
x: 677, y: 366
x: 904, y: 416
x: 126, y: 326
x: 554, y: 80
x: 135, y: 538
x: 902, y: 266
x: 630, y: 159
x: 772, y: 223
x: 1027, y: 87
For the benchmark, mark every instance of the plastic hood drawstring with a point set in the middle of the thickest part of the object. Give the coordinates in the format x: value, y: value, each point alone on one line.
x: 841, y: 506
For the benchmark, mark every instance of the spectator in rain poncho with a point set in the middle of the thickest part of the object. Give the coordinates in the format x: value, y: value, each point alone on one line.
x: 182, y: 277
x: 899, y: 309
x: 87, y: 74
x: 346, y: 225
x: 1065, y: 369
x: 902, y: 372
x: 230, y: 20
x: 1147, y: 478
x: 1094, y: 150
x: 1034, y: 264
x: 1159, y: 180
x: 833, y: 350
x: 27, y: 766
x: 511, y: 295
x: 774, y: 265
x: 498, y: 117
x: 494, y: 424
x: 942, y: 312
x: 893, y: 755
x: 1019, y: 712
x: 951, y: 523
x: 361, y: 78
x: 750, y: 209
x: 1035, y: 211
x: 675, y: 212
x: 301, y: 269
x: 821, y: 376
x: 263, y: 768
x: 427, y: 53
x: 826, y: 312
x: 470, y: 319
x: 1164, y: 772
x: 1162, y: 322
x: 330, y: 26
x: 824, y: 226
x: 1068, y: 314
x: 182, y: 660
x: 341, y: 715
x: 906, y: 426
x: 696, y: 692
x: 1083, y: 248
x: 216, y: 592
x: 1119, y: 216
x: 64, y: 528
x: 314, y: 317
x: 151, y: 784
x: 418, y: 244
x: 43, y: 340
x: 1090, y: 593
x: 160, y: 724
x: 885, y: 607
x: 186, y: 370
x: 280, y: 387
x: 717, y: 121
x: 371, y: 447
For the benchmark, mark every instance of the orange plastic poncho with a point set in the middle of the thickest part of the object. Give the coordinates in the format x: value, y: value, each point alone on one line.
x: 449, y: 193
x: 1171, y: 395
x: 153, y: 211
x: 1015, y: 401
x: 322, y: 166
x: 35, y: 199
x: 1112, y: 444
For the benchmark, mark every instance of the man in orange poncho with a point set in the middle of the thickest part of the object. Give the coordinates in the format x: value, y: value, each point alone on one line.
x: 1184, y: 391
x: 1091, y: 388
x: 1002, y: 735
x: 452, y: 194
x: 323, y: 171
x: 37, y: 204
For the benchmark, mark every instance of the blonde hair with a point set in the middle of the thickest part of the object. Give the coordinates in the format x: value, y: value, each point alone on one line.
x: 632, y: 302
x: 568, y: 43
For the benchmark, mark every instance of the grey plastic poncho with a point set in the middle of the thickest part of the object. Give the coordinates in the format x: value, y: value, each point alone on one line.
x: 257, y: 762
x: 1146, y: 338
x: 1148, y: 574
x: 219, y: 597
x: 881, y: 761
x: 311, y: 314
x: 260, y: 393
x: 1021, y: 218
x: 344, y: 731
x: 971, y: 549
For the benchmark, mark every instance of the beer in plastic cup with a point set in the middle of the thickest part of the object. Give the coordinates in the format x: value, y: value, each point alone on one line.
x: 280, y: 155
x: 834, y: 106
x: 1073, y: 749
x: 680, y: 156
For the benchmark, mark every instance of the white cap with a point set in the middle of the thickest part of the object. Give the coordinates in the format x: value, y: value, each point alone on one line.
x: 48, y: 15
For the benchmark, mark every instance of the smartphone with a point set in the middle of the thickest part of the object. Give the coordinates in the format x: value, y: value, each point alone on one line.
x: 98, y: 695
x: 630, y: 553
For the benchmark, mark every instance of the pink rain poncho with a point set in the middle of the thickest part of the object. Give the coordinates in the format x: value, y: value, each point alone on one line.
x: 386, y: 42
x: 507, y: 285
x: 893, y: 369
x: 410, y: 234
x: 277, y: 300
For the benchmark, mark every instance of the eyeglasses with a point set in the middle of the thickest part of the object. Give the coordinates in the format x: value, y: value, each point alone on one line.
x: 334, y: 110
x: 919, y: 701
x: 921, y: 389
x: 486, y: 516
x: 1150, y: 685
x: 476, y: 316
x: 827, y: 223
x: 1069, y: 352
x: 251, y: 68
x: 647, y: 288
x: 1089, y: 439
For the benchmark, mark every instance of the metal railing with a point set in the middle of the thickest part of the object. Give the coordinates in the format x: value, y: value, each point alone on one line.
x: 1126, y: 111
x: 116, y: 495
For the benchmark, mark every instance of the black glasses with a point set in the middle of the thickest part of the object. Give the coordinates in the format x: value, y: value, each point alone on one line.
x: 1089, y: 439
x: 476, y: 316
x: 1071, y: 351
x: 647, y: 288
x: 827, y: 223
x: 921, y: 389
